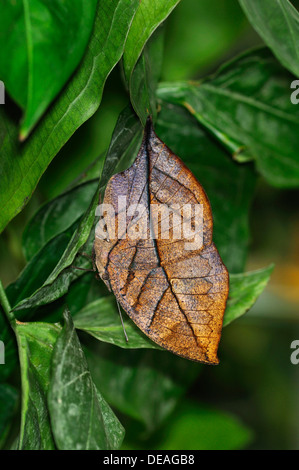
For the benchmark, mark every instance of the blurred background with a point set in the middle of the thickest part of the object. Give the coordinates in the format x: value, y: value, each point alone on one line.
x: 256, y: 381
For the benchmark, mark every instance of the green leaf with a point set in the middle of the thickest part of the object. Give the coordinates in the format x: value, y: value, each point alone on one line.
x: 150, y: 14
x: 41, y: 45
x: 8, y: 404
x: 277, y: 22
x: 51, y: 291
x: 197, y: 427
x: 141, y: 61
x: 57, y: 282
x: 56, y: 216
x: 247, y: 106
x: 36, y: 342
x: 123, y: 149
x: 80, y: 417
x: 21, y: 166
x: 143, y: 384
x: 101, y: 320
x: 145, y: 76
x: 221, y: 178
x: 36, y: 272
x: 243, y: 292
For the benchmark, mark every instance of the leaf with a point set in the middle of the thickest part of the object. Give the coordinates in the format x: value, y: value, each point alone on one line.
x: 80, y: 417
x: 36, y: 272
x: 244, y: 290
x: 144, y: 79
x: 36, y: 342
x: 21, y: 166
x: 277, y: 22
x: 42, y: 43
x: 59, y: 277
x: 221, y: 177
x: 55, y: 283
x: 247, y: 106
x: 150, y: 14
x: 142, y: 59
x: 101, y: 320
x: 129, y: 380
x: 57, y: 216
x: 136, y: 372
x: 175, y: 286
x: 8, y: 404
x: 195, y: 426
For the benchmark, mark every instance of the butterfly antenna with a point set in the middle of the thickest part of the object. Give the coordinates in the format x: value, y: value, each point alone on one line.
x: 86, y: 255
x: 122, y: 322
x: 82, y: 269
x: 119, y: 311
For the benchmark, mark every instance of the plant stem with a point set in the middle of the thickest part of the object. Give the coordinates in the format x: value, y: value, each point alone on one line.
x: 6, y: 306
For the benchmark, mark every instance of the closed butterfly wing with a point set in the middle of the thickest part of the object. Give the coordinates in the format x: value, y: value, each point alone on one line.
x: 172, y: 286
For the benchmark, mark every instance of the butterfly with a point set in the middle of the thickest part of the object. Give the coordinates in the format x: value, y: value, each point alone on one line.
x: 153, y: 248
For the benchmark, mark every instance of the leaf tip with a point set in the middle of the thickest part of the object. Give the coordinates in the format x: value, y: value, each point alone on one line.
x: 23, y: 135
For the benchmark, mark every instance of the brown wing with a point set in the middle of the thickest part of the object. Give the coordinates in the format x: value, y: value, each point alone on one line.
x: 176, y: 296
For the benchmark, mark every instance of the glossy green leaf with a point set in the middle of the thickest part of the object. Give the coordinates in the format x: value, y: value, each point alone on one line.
x: 51, y: 291
x: 143, y: 384
x: 145, y: 76
x: 221, y: 178
x: 150, y: 14
x: 123, y: 150
x: 142, y: 61
x: 36, y: 342
x: 36, y: 272
x: 8, y: 405
x: 101, y: 320
x: 41, y: 45
x: 21, y: 166
x: 247, y: 106
x: 57, y: 216
x: 57, y: 282
x: 277, y: 22
x: 80, y: 417
x: 243, y: 292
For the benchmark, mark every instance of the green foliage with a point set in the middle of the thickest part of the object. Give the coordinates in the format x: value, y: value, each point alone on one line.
x: 251, y: 89
x: 244, y: 290
x: 100, y: 319
x: 35, y: 343
x: 231, y: 129
x: 221, y: 178
x: 200, y: 427
x: 57, y: 48
x: 80, y: 417
x: 125, y: 381
x: 76, y: 103
x: 277, y: 22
